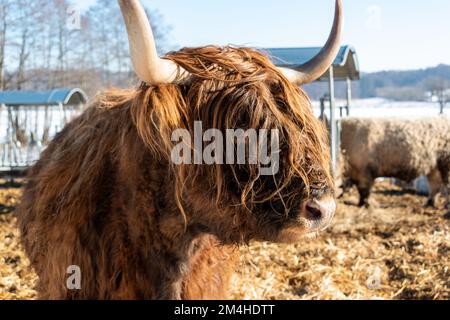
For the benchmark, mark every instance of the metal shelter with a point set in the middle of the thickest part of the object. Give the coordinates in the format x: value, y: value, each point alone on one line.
x: 30, y: 119
x: 345, y: 68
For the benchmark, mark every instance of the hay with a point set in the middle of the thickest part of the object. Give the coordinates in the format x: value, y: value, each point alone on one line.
x: 17, y: 281
x: 394, y: 250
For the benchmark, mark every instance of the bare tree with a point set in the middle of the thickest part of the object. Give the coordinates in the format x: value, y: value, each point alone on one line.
x: 23, y: 33
x: 4, y: 24
x: 439, y: 89
x: 39, y: 51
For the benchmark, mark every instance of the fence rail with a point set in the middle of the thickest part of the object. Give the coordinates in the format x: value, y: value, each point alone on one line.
x: 25, y: 131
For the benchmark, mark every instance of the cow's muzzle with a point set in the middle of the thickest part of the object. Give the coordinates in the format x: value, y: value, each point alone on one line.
x: 316, y: 214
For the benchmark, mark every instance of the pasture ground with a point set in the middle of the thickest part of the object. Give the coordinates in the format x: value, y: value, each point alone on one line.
x: 393, y: 250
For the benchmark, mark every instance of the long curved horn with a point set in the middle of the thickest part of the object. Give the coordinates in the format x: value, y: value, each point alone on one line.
x: 317, y: 66
x: 148, y: 66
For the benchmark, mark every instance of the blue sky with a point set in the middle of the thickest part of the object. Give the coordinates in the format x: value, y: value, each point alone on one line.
x: 387, y: 34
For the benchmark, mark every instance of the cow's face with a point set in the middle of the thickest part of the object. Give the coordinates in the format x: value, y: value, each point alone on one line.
x: 272, y: 179
x: 213, y: 88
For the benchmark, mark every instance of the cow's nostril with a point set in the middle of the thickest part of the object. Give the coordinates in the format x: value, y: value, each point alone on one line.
x: 319, y: 212
x: 313, y: 212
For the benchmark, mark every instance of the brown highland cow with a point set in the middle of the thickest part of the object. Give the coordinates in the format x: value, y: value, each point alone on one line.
x: 106, y: 197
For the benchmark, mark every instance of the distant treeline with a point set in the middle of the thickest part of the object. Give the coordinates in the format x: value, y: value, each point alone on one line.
x: 411, y: 85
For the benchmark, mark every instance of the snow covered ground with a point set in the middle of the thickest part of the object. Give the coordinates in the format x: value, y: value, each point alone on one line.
x: 379, y: 108
x: 35, y: 121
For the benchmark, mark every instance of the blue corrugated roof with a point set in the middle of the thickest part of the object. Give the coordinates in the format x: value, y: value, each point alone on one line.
x: 53, y: 97
x: 299, y: 56
x: 345, y: 65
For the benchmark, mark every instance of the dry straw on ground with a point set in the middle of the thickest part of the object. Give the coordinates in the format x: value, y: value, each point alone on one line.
x: 393, y: 250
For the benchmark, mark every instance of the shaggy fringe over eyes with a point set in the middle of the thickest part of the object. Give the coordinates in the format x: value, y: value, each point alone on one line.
x: 234, y: 88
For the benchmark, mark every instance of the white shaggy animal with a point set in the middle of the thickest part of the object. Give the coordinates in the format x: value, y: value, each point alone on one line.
x: 400, y: 148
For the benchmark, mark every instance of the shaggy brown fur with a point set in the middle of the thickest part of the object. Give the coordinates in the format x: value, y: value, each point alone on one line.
x: 400, y: 148
x: 105, y: 196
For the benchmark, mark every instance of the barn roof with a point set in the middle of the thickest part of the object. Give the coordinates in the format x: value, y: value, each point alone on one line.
x: 345, y: 65
x: 54, y: 97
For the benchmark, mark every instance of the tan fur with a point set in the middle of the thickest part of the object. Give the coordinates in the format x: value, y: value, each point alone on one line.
x: 400, y: 148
